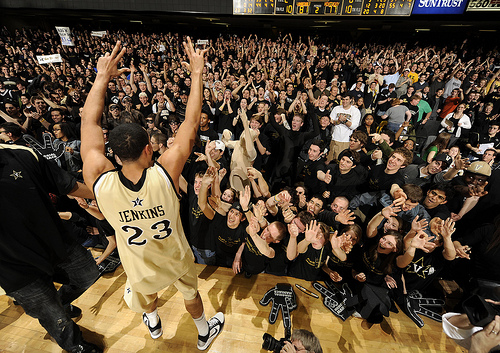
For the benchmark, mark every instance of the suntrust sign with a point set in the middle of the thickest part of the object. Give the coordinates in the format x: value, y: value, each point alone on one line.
x: 430, y: 7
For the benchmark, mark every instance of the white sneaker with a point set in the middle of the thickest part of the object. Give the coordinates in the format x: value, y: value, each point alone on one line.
x: 156, y: 331
x: 215, y: 325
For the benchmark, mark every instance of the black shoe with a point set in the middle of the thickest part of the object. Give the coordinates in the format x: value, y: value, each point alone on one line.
x: 86, y: 347
x: 74, y: 311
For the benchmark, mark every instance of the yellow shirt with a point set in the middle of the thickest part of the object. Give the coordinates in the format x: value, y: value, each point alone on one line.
x: 149, y: 234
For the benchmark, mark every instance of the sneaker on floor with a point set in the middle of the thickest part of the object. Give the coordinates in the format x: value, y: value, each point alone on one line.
x: 74, y: 311
x: 215, y: 325
x: 86, y: 347
x: 156, y: 331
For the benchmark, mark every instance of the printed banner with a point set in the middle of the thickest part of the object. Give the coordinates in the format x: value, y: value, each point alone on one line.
x: 45, y: 59
x: 98, y: 33
x: 65, y: 34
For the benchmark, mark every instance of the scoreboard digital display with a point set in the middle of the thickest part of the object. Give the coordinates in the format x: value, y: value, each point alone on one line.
x: 323, y: 8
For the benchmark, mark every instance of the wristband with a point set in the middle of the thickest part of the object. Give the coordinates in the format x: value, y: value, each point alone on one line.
x: 245, y: 211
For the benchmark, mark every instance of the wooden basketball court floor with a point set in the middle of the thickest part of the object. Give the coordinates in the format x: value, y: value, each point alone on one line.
x: 108, y: 322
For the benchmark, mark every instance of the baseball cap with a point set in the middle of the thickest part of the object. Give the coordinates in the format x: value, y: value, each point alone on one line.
x: 236, y: 205
x: 219, y: 145
x: 480, y: 168
x: 183, y: 92
x: 446, y: 159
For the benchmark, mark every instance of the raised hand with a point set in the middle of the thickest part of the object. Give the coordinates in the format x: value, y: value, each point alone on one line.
x: 245, y: 197
x: 293, y: 230
x: 312, y: 230
x: 417, y: 225
x: 345, y: 217
x: 253, y: 173
x: 420, y: 241
x: 328, y: 177
x: 196, y: 57
x: 200, y: 157
x: 209, y: 176
x: 390, y: 211
x: 448, y: 228
x: 107, y: 65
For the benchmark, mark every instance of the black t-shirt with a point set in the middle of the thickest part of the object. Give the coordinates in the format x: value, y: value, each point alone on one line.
x: 309, y: 265
x: 254, y: 261
x: 205, y: 136
x: 423, y: 269
x: 227, y: 240
x: 309, y: 175
x: 369, y: 266
x: 33, y: 237
x: 344, y: 268
x: 440, y: 211
x: 344, y: 184
x: 198, y: 223
x: 378, y: 180
x: 278, y: 265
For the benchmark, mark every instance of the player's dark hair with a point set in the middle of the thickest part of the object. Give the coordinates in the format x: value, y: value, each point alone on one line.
x: 12, y: 128
x: 127, y: 141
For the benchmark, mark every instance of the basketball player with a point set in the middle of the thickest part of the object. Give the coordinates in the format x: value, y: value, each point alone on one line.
x: 141, y: 201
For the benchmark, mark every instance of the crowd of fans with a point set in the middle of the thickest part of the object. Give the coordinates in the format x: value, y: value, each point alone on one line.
x: 354, y: 163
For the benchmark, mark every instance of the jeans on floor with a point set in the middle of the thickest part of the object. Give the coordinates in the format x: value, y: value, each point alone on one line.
x: 42, y: 301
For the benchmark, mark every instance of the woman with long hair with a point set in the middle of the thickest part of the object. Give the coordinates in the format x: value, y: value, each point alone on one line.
x: 374, y: 269
x: 71, y: 160
x: 457, y: 123
x: 439, y: 144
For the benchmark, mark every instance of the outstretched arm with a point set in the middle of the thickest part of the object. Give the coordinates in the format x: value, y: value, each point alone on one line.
x: 175, y: 157
x: 92, y: 148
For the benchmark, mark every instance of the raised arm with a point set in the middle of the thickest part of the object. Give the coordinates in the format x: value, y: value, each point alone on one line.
x: 92, y: 148
x: 175, y: 157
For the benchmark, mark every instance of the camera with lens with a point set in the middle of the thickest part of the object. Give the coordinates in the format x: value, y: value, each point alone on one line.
x: 479, y: 311
x: 272, y: 344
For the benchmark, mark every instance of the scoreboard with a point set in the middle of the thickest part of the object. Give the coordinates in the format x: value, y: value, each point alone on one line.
x: 323, y: 8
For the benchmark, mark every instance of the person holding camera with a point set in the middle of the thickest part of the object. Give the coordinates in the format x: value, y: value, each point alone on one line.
x: 476, y: 339
x: 302, y: 341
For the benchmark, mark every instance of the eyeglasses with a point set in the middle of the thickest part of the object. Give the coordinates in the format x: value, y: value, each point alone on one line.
x: 149, y: 121
x: 56, y: 130
x: 114, y: 108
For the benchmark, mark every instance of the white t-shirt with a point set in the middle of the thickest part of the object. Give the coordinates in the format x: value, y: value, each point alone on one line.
x: 341, y: 132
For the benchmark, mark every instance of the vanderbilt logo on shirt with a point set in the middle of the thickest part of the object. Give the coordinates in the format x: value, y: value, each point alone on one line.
x: 420, y: 269
x: 16, y: 175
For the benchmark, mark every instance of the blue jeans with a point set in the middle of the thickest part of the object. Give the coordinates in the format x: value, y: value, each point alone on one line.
x: 42, y: 301
x: 204, y: 257
x: 393, y: 127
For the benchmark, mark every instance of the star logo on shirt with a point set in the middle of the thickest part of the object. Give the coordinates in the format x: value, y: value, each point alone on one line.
x: 137, y: 202
x: 16, y: 175
x: 420, y: 269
